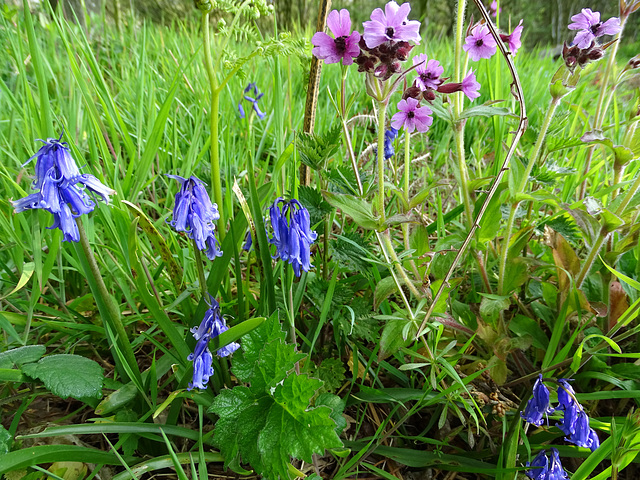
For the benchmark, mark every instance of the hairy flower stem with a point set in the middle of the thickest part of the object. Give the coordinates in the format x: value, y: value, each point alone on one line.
x: 520, y: 186
x: 216, y: 183
x: 112, y: 311
x: 458, y: 124
x: 601, y: 108
x: 382, y: 111
x: 407, y: 187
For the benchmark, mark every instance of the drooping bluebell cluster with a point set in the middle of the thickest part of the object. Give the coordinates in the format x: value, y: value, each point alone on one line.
x: 575, y: 424
x: 251, y: 88
x: 292, y: 234
x: 545, y: 469
x: 538, y: 407
x: 62, y: 189
x: 212, y: 325
x: 194, y: 214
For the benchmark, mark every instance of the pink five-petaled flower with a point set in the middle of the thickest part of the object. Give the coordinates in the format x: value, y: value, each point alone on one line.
x: 513, y: 39
x: 429, y: 72
x: 480, y: 44
x: 590, y: 26
x: 392, y: 24
x: 469, y: 86
x: 411, y: 116
x: 345, y: 44
x: 493, y: 9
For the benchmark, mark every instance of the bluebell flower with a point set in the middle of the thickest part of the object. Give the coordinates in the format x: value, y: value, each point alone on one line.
x: 547, y: 470
x: 251, y: 88
x: 194, y: 214
x: 538, y: 406
x: 584, y: 435
x: 212, y: 325
x: 62, y: 189
x: 575, y: 422
x: 389, y: 136
x: 292, y: 234
x: 248, y: 242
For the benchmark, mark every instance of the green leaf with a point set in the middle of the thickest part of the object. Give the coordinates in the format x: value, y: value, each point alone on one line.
x: 5, y: 440
x: 266, y: 430
x: 68, y: 375
x: 523, y: 326
x: 485, y: 110
x: 316, y: 150
x: 385, y: 287
x: 622, y: 154
x: 396, y: 333
x: 272, y: 420
x: 28, y: 457
x: 356, y: 208
x: 21, y: 355
x: 27, y: 270
x: 491, y: 306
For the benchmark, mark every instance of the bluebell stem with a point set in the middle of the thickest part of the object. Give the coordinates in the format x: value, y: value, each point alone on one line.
x: 292, y: 234
x: 251, y: 87
x: 62, y: 189
x: 212, y: 325
x: 538, y: 406
x: 194, y: 214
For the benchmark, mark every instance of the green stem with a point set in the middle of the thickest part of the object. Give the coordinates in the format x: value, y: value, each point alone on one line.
x: 201, y: 278
x: 382, y: 110
x: 458, y: 128
x: 112, y: 311
x: 601, y: 108
x: 586, y: 266
x: 553, y: 105
x: 407, y: 187
x: 216, y: 182
x: 505, y: 248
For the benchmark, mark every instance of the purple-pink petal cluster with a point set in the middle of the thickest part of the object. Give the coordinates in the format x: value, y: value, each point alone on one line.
x: 344, y: 45
x: 429, y: 72
x: 480, y: 44
x: 513, y: 39
x: 412, y: 116
x: 391, y: 25
x: 590, y: 27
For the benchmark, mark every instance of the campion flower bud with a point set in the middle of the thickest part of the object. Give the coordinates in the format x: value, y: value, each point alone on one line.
x: 212, y: 325
x: 345, y: 44
x: 413, y: 92
x: 62, y: 189
x: 194, y: 214
x: 292, y: 234
x: 590, y: 27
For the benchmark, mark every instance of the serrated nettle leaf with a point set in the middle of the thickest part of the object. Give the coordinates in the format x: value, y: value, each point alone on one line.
x: 266, y: 430
x: 21, y: 355
x: 67, y: 375
x: 359, y: 210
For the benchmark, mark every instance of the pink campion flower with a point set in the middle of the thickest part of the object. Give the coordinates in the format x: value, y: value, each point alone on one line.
x: 412, y: 116
x: 345, y: 44
x: 469, y: 86
x: 590, y: 26
x: 480, y: 44
x: 392, y: 24
x: 429, y: 72
x: 513, y: 39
